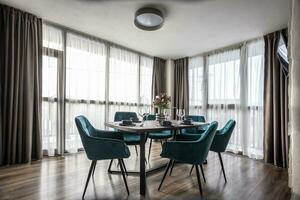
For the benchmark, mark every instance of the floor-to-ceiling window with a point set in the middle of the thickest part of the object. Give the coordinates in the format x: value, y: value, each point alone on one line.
x: 86, y: 76
x: 146, y: 70
x: 229, y: 85
x: 253, y: 116
x: 85, y: 85
x: 224, y: 91
x: 52, y: 66
x: 123, y: 81
x: 196, y: 86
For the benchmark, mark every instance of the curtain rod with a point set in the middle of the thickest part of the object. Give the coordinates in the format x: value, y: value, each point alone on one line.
x: 67, y: 29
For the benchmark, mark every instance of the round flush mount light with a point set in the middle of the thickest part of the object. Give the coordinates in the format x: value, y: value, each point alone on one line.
x: 148, y: 19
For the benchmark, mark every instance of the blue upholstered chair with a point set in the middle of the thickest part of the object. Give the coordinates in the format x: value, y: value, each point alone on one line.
x: 221, y: 141
x: 193, y: 131
x: 161, y: 135
x: 129, y: 138
x: 101, y: 145
x: 196, y: 118
x: 187, y: 150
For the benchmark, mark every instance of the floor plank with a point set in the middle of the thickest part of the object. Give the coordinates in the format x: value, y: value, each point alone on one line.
x: 64, y: 178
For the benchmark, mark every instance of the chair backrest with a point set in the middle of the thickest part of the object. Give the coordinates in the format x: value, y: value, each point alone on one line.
x: 196, y: 118
x: 119, y: 116
x: 98, y: 146
x: 205, y: 141
x: 222, y: 137
x: 85, y: 130
x: 84, y: 126
x: 150, y: 117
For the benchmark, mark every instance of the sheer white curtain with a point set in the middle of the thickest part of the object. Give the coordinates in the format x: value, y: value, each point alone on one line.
x: 79, y: 85
x: 52, y: 62
x: 197, y: 86
x: 235, y: 91
x: 252, y: 116
x: 146, y: 70
x: 85, y: 85
x: 224, y: 91
x: 123, y: 81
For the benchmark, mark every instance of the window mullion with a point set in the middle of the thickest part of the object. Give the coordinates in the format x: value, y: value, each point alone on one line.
x: 61, y: 99
x: 107, y: 83
x: 139, y: 82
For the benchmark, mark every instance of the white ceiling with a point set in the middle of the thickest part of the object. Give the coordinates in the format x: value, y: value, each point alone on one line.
x: 191, y: 26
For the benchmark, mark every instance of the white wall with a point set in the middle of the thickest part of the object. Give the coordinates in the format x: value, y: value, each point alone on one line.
x: 295, y: 99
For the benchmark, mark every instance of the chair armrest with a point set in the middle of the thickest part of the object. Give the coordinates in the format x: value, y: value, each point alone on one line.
x: 105, y: 148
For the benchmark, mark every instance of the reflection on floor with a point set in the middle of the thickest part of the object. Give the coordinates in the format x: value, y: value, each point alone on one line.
x: 64, y: 178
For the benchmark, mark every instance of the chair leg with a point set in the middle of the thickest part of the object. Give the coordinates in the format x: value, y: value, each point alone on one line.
x: 89, y: 176
x: 123, y: 174
x: 173, y: 163
x: 161, y: 143
x: 149, y: 149
x: 221, y: 161
x: 94, y: 168
x: 198, y: 178
x: 136, y: 151
x: 167, y: 169
x: 202, y: 171
x: 122, y: 161
x: 109, y: 167
x: 192, y: 169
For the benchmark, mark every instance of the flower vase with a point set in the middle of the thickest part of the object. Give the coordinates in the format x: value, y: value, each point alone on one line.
x: 160, y: 115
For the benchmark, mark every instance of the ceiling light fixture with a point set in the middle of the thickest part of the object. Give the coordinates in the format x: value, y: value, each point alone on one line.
x: 148, y: 19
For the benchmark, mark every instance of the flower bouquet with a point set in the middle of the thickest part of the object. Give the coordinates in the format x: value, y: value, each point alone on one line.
x: 161, y: 102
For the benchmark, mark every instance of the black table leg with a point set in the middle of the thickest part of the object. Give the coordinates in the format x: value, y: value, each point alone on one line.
x: 142, y: 164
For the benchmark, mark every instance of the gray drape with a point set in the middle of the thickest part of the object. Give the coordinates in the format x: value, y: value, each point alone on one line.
x: 275, y: 105
x: 181, y: 84
x: 20, y: 86
x: 158, y: 76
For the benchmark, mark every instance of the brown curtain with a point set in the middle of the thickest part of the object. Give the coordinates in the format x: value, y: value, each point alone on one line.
x: 158, y: 76
x: 275, y: 105
x: 181, y: 84
x: 20, y: 86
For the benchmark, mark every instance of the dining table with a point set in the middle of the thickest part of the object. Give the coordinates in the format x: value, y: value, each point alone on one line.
x: 144, y: 127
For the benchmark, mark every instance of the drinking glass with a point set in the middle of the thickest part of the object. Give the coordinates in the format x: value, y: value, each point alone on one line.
x: 167, y: 113
x: 180, y: 114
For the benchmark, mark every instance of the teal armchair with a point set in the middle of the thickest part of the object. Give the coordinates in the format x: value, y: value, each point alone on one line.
x: 191, y: 152
x: 192, y: 133
x: 221, y: 141
x: 101, y: 145
x: 161, y: 135
x: 129, y: 138
x: 196, y: 118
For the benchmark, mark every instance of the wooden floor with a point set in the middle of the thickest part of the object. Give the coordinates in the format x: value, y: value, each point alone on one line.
x: 64, y: 178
